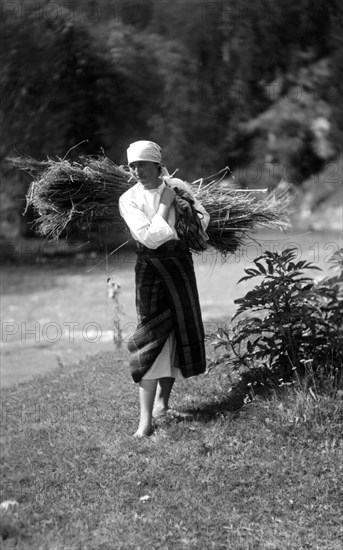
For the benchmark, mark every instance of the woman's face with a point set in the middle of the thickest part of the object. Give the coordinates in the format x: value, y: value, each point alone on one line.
x: 146, y: 172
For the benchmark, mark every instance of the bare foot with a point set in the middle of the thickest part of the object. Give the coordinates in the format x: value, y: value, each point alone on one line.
x: 143, y: 432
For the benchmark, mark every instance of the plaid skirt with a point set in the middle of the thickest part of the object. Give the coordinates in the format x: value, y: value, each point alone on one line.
x: 167, y: 299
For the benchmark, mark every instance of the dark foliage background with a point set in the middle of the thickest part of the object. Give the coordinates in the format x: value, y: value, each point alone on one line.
x: 215, y: 83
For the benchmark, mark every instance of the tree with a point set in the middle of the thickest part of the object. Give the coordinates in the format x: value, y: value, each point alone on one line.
x: 58, y: 87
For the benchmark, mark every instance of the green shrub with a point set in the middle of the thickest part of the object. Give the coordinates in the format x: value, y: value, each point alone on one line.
x: 287, y: 325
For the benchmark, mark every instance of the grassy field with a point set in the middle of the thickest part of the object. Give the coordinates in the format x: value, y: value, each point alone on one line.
x: 268, y: 476
x: 265, y: 476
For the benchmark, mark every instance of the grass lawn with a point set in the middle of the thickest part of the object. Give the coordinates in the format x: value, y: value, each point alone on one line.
x: 268, y: 476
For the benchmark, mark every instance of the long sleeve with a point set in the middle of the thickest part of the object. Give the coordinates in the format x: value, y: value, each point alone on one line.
x: 138, y: 207
x: 151, y: 231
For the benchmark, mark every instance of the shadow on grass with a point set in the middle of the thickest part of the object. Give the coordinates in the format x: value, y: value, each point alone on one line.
x: 212, y: 409
x: 230, y: 403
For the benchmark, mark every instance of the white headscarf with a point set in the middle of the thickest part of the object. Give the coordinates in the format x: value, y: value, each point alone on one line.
x: 144, y: 150
x: 147, y: 151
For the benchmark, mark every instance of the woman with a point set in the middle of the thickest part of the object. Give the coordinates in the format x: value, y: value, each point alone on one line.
x: 168, y: 342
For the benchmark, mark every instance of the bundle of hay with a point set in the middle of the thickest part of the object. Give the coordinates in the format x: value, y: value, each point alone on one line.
x: 69, y: 195
x: 235, y: 213
x: 85, y: 194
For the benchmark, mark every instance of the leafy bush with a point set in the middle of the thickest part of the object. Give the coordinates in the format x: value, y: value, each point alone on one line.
x: 288, y: 324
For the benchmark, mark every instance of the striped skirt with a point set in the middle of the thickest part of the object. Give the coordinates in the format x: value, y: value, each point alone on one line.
x: 167, y: 300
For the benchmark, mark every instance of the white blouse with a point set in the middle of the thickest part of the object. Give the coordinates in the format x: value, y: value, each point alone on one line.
x: 138, y: 207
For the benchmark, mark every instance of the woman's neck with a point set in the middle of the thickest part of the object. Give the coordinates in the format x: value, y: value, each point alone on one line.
x: 152, y: 184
